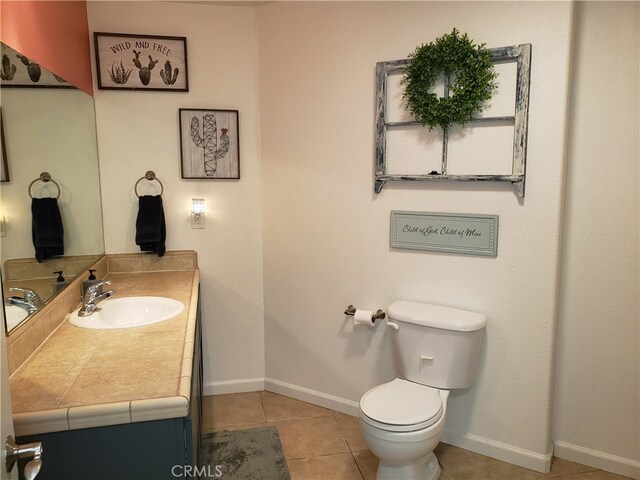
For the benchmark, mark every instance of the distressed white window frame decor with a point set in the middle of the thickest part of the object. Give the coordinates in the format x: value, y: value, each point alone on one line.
x: 515, y: 53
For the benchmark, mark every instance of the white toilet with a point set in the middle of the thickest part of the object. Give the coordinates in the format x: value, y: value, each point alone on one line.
x: 436, y: 349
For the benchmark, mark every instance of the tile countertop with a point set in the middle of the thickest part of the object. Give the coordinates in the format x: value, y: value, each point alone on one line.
x: 82, y: 378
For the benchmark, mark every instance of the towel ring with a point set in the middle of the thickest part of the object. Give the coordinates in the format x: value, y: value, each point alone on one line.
x: 150, y: 175
x: 45, y: 177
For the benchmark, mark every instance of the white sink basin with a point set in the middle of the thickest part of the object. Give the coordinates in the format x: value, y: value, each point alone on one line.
x: 14, y: 315
x: 128, y: 312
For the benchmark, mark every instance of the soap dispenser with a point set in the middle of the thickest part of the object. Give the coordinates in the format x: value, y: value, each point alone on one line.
x: 60, y: 282
x: 92, y: 280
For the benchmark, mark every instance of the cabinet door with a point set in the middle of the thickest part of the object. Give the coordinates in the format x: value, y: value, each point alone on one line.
x: 134, y: 451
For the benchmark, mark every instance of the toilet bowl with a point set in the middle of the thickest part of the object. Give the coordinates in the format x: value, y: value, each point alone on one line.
x: 436, y: 349
x: 402, y: 423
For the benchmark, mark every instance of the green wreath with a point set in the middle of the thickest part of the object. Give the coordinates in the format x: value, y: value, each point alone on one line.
x: 459, y: 59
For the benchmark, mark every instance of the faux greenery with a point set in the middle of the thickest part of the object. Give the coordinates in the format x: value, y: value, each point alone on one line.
x: 470, y: 68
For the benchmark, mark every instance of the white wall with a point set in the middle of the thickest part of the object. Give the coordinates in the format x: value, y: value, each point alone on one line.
x: 597, y: 391
x: 138, y: 131
x: 326, y: 234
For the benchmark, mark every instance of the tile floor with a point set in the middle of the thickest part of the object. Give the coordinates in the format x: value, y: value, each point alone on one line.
x: 323, y: 444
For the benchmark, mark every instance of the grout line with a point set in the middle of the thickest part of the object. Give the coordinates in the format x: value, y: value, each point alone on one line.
x: 342, y: 433
x: 264, y: 412
x: 357, y: 465
x: 573, y: 475
x: 443, y: 470
x: 551, y: 475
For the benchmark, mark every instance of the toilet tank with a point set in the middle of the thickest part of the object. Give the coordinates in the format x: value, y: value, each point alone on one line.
x: 434, y: 345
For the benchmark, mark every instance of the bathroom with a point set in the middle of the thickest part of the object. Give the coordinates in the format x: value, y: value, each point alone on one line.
x: 302, y: 234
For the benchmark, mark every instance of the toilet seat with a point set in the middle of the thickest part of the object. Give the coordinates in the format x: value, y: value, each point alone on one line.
x: 401, y: 406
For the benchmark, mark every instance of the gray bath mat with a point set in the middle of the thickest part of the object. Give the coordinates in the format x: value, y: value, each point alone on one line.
x: 251, y: 454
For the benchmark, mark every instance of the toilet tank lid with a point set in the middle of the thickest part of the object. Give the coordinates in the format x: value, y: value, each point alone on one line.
x: 436, y: 316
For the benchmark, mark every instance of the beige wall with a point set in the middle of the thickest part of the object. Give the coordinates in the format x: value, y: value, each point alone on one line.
x: 326, y: 234
x: 596, y: 403
x: 138, y: 131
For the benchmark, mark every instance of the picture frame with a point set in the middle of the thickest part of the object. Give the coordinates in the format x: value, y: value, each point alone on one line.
x: 141, y: 62
x: 209, y: 144
x: 4, y: 170
x: 461, y: 233
x: 18, y: 71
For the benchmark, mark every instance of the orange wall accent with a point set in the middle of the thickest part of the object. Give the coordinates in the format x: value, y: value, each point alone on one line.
x: 55, y: 34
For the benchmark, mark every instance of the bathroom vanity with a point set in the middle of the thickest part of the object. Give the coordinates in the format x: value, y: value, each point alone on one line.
x: 117, y: 404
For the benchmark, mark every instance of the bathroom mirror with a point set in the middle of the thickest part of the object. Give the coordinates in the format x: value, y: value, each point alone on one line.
x: 47, y: 130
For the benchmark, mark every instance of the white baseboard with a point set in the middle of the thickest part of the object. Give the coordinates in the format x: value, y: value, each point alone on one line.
x: 312, y: 396
x: 288, y: 389
x: 233, y: 386
x: 500, y: 451
x: 596, y: 459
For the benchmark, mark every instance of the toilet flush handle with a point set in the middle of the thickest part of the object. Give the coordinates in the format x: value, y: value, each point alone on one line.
x: 393, y: 325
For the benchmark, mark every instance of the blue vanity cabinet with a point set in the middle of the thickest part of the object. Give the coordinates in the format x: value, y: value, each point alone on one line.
x: 154, y: 450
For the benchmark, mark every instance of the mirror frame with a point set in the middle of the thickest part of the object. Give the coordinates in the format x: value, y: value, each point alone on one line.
x: 5, y: 176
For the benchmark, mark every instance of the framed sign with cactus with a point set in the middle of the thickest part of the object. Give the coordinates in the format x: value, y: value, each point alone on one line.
x: 141, y: 62
x: 209, y: 144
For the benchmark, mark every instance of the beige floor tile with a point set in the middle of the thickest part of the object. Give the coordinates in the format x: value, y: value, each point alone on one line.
x: 207, y: 413
x: 595, y: 475
x: 330, y: 467
x: 220, y: 411
x: 317, y: 441
x: 241, y: 426
x: 311, y: 437
x: 367, y: 463
x: 462, y: 464
x: 350, y: 427
x: 565, y: 467
x: 278, y: 407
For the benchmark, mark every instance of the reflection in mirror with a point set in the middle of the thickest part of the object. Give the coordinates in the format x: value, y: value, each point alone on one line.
x: 4, y: 173
x: 46, y: 130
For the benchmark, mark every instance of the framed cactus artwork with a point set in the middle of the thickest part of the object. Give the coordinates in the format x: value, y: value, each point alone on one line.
x: 141, y: 62
x: 209, y: 144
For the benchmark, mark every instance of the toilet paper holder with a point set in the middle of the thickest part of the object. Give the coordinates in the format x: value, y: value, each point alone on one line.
x: 378, y: 315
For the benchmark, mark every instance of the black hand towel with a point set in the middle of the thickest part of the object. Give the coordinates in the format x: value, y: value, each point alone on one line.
x: 46, y: 228
x: 151, y: 231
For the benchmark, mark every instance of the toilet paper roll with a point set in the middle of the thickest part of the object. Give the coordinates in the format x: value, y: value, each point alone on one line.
x: 363, y: 317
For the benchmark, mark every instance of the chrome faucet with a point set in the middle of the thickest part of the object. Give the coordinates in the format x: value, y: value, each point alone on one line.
x: 30, y: 301
x: 22, y: 303
x: 93, y: 296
